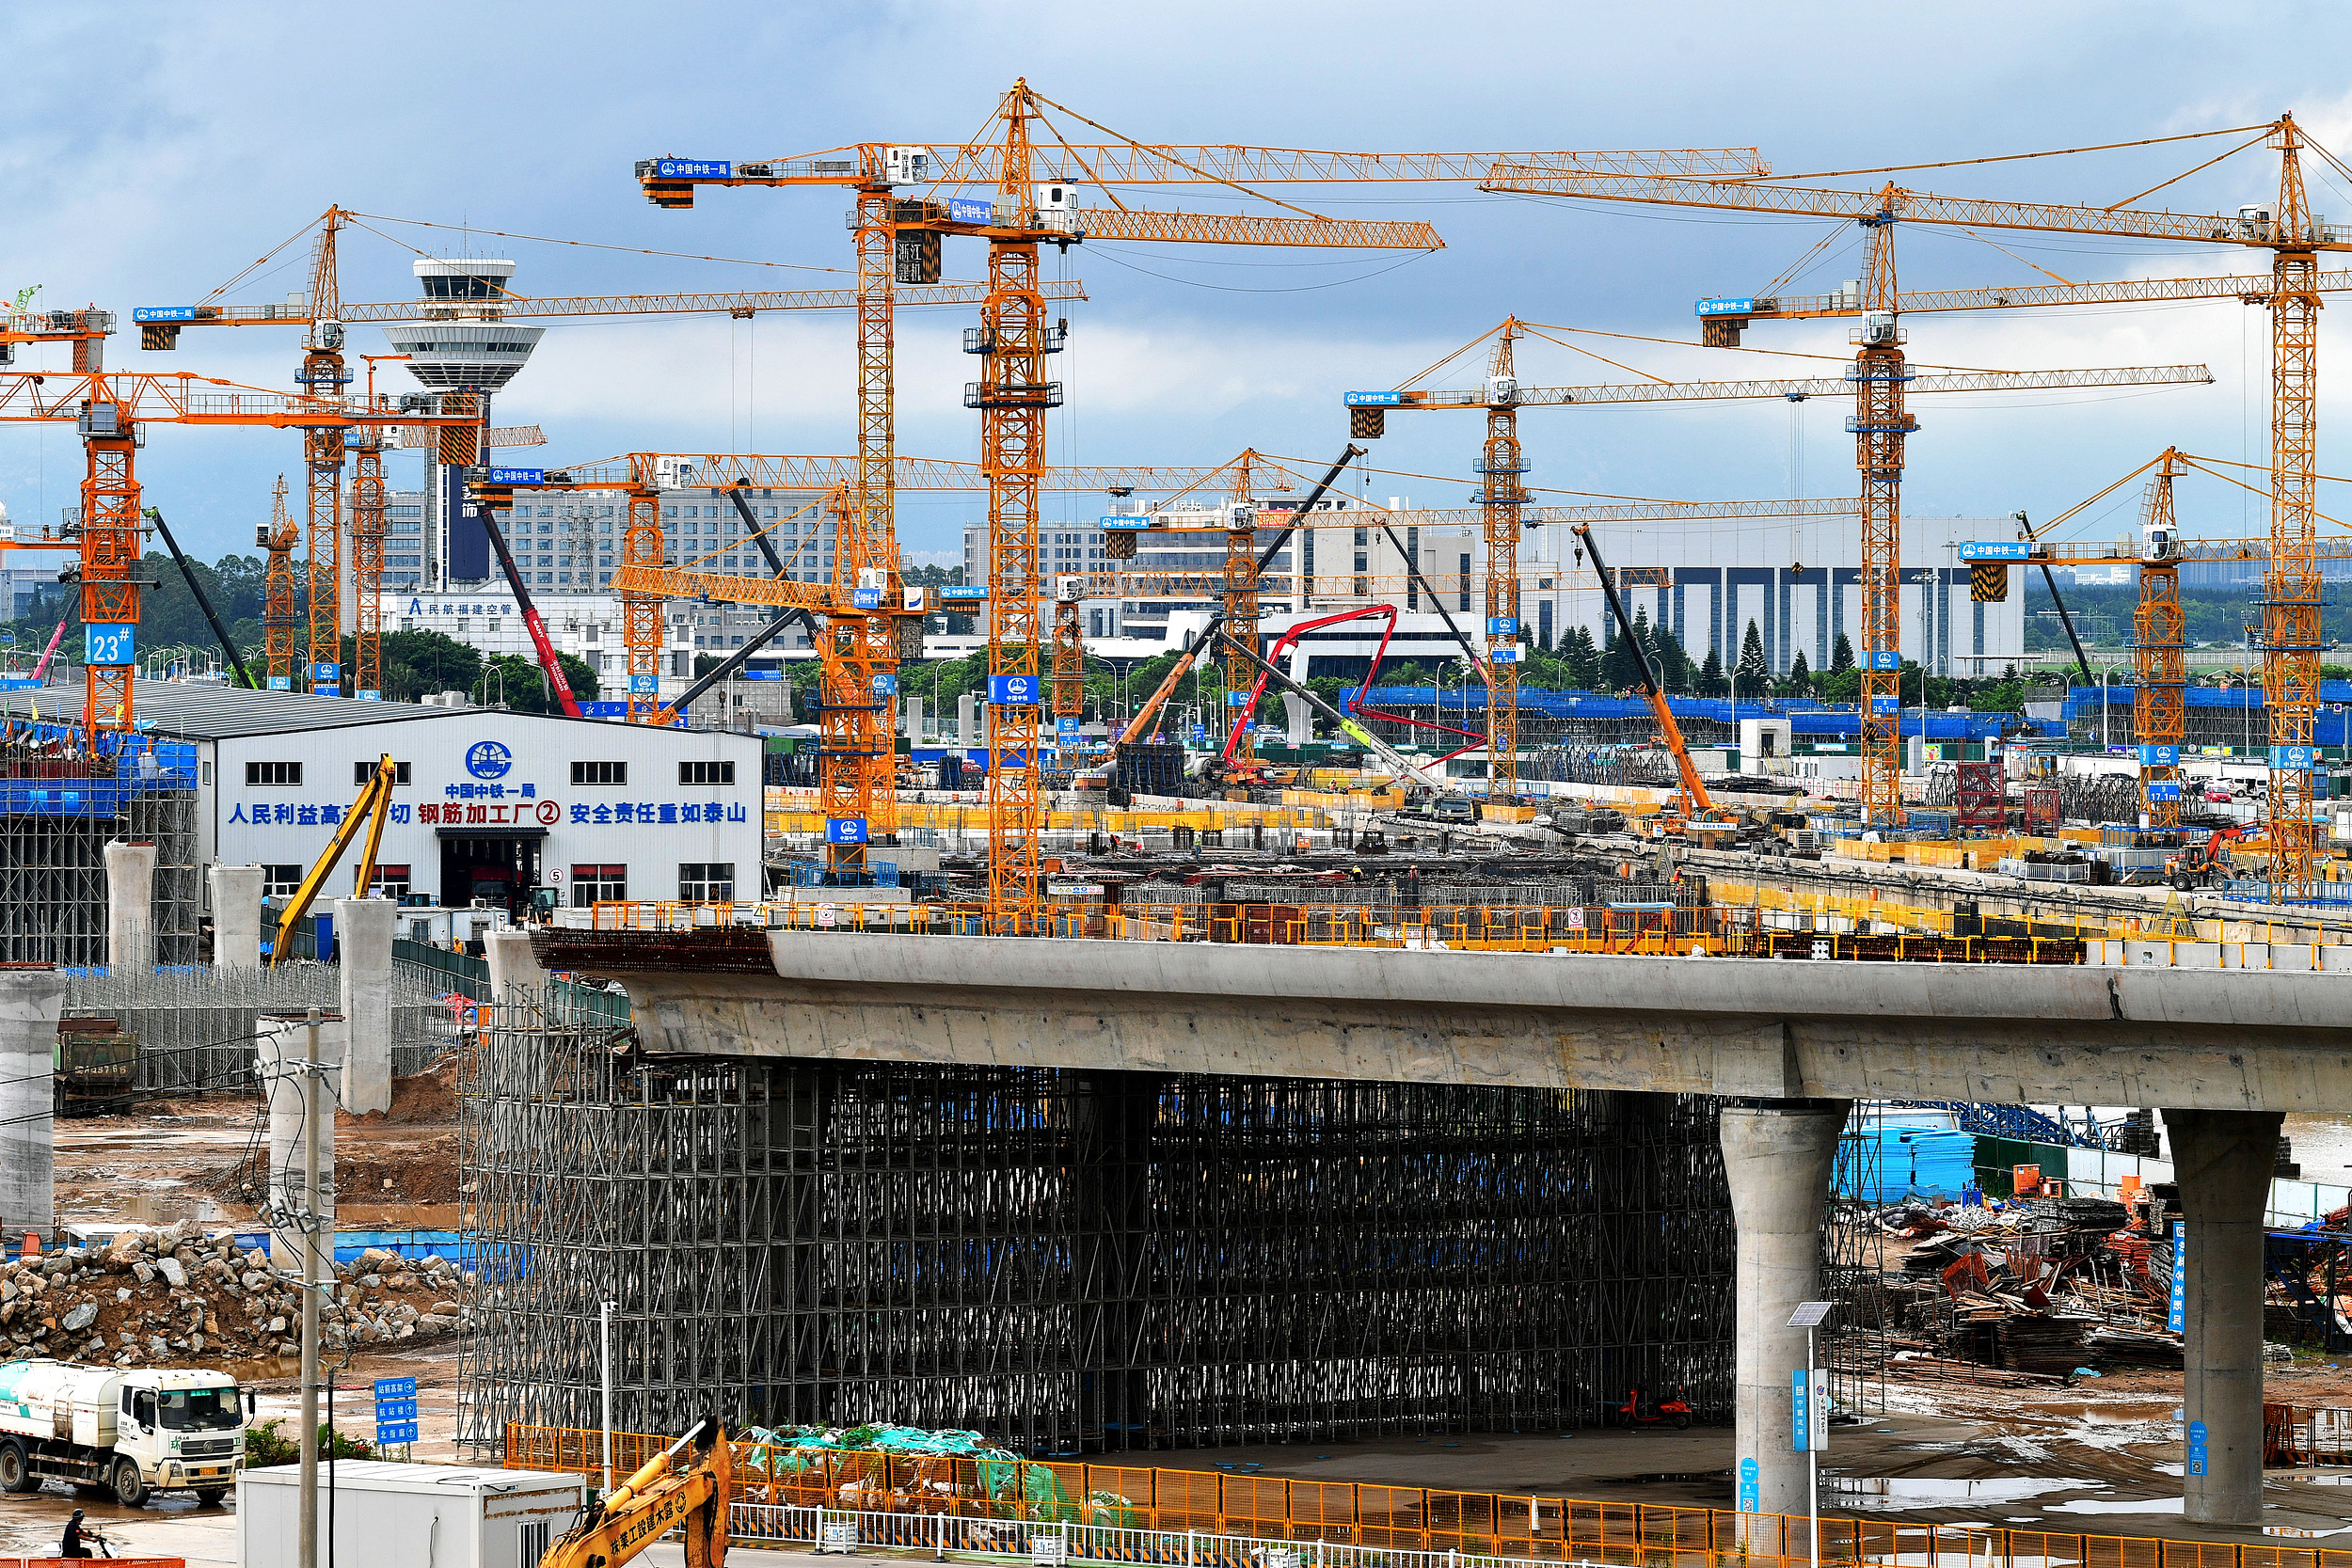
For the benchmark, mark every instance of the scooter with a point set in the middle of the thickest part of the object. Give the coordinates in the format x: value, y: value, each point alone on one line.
x: 1636, y: 1412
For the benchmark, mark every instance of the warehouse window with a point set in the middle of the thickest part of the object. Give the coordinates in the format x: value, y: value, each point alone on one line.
x: 279, y: 881
x: 707, y: 883
x: 599, y: 884
x: 362, y: 771
x: 389, y: 881
x: 1466, y: 581
x: 706, y: 772
x: 600, y: 772
x: 273, y: 772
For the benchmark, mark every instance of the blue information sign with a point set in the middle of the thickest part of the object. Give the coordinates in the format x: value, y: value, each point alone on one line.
x: 395, y: 1388
x: 1509, y: 655
x: 1199, y: 735
x: 1883, y: 704
x: 2159, y: 756
x: 398, y: 1432
x: 518, y: 476
x: 845, y: 829
x: 885, y: 683
x: 164, y: 313
x: 1882, y: 660
x: 2295, y: 759
x: 1238, y: 699
x: 395, y: 1410
x: 963, y: 209
x: 2163, y: 792
x: 1800, y: 1411
x: 1012, y: 690
x: 693, y: 168
x: 1996, y: 550
x: 963, y: 593
x: 1750, y: 1493
x: 865, y: 598
x: 2176, y: 1315
x: 1502, y: 626
x: 1374, y: 400
x: 110, y: 642
x: 2197, y: 1448
x: 1728, y: 306
x: 645, y: 686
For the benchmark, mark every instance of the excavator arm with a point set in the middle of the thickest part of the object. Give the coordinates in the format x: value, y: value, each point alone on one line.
x: 1697, y: 800
x: 368, y: 810
x: 687, y: 1493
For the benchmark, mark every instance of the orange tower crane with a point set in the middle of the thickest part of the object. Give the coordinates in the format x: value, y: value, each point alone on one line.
x: 276, y: 538
x: 2286, y: 227
x: 106, y: 409
x: 1502, y: 493
x: 1032, y: 187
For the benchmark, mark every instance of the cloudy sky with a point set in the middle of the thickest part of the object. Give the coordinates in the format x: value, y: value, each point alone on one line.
x: 151, y: 153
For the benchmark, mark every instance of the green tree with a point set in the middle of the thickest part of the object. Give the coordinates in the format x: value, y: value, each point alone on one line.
x: 1753, y: 671
x: 1840, y: 654
x: 1800, y: 681
x: 1711, y: 681
x: 1620, y: 666
x: 1674, y: 664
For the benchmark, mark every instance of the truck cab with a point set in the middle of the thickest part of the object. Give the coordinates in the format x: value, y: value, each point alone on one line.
x: 134, y: 1431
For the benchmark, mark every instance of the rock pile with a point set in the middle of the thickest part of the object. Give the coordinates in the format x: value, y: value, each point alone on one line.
x: 174, y: 1295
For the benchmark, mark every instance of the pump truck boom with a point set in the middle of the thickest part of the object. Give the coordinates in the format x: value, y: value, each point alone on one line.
x: 1140, y: 725
x: 1695, y: 802
x: 203, y: 601
x: 549, y: 663
x: 1417, y: 772
x: 690, y: 1496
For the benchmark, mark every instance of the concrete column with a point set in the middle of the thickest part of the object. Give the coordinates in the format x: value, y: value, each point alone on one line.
x: 364, y: 940
x: 1299, y: 719
x: 512, y: 963
x: 236, y: 916
x: 278, y: 1062
x: 2222, y: 1160
x: 30, y: 1000
x: 131, y: 905
x: 1777, y: 1156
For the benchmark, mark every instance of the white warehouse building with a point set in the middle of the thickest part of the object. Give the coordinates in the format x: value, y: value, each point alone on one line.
x: 489, y: 804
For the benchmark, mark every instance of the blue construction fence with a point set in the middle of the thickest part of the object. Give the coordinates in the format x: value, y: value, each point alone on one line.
x: 126, y: 766
x: 1807, y: 720
x: 2331, y: 726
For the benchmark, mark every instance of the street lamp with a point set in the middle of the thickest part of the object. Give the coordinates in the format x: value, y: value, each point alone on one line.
x: 1809, y: 1431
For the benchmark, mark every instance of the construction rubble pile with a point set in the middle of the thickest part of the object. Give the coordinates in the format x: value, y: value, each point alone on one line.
x: 175, y: 1293
x: 2032, y: 1293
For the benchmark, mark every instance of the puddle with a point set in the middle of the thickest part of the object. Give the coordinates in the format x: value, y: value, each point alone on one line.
x: 2091, y: 1505
x: 1898, y: 1492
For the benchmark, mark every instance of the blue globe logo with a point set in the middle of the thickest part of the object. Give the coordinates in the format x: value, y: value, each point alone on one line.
x: 488, y: 759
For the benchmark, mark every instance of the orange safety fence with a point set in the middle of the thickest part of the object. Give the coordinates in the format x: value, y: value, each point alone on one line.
x: 1394, y: 1518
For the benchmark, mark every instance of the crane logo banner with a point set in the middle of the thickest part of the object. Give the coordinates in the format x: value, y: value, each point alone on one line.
x: 693, y: 168
x: 488, y: 759
x: 1374, y: 400
x: 964, y: 210
x: 164, y: 313
x: 1725, y: 305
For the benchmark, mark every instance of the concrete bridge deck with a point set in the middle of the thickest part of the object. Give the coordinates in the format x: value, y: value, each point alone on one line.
x: 2222, y: 1039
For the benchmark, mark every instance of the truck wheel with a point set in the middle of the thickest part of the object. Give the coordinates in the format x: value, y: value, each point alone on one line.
x: 209, y: 1496
x: 130, y: 1489
x: 15, y: 1473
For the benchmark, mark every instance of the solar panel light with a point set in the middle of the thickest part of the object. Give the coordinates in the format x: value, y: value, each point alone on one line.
x: 1809, y: 1314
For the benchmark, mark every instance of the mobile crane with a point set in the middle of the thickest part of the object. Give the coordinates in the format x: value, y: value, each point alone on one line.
x: 1694, y: 805
x: 689, y: 1495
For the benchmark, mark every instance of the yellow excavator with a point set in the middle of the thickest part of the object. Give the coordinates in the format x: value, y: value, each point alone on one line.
x: 376, y: 798
x: 687, y: 1494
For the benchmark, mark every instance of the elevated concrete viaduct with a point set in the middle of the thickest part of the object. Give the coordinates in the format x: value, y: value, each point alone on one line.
x: 1788, y: 1044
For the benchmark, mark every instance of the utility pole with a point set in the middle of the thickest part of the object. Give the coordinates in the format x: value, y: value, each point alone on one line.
x: 604, y: 1337
x: 311, y: 1291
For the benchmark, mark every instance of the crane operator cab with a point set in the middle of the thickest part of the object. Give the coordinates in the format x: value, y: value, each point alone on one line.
x: 2159, y: 541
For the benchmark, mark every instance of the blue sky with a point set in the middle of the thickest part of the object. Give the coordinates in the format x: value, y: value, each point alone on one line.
x: 153, y: 151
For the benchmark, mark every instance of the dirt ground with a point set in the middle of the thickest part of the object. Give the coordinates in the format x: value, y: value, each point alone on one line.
x: 195, y: 1159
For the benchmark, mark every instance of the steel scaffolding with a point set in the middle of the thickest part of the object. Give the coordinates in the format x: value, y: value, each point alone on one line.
x: 1074, y: 1262
x: 58, y: 811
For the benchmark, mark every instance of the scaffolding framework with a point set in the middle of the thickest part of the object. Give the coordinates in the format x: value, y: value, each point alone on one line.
x: 58, y: 811
x: 1074, y: 1262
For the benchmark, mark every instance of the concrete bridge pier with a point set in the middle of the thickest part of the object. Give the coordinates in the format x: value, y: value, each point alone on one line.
x: 1777, y: 1156
x: 2222, y: 1159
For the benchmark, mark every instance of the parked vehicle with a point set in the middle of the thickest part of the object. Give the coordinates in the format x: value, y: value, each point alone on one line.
x: 1640, y: 1410
x: 136, y: 1432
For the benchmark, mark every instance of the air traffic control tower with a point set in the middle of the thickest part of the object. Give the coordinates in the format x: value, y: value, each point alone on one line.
x: 464, y: 345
